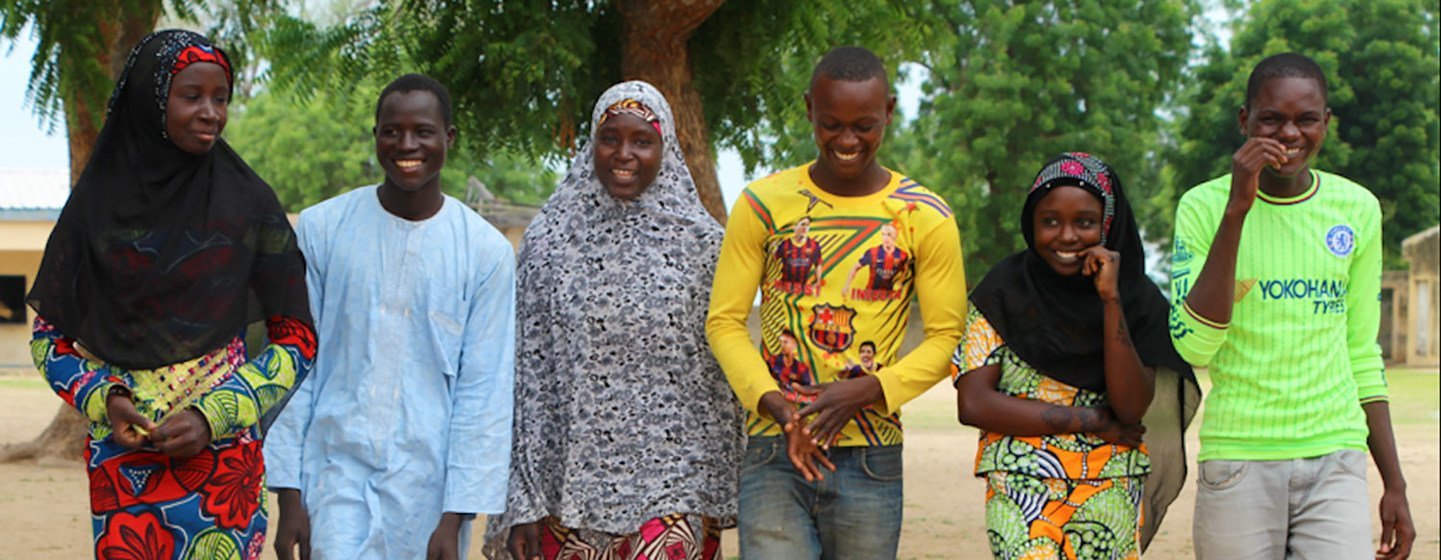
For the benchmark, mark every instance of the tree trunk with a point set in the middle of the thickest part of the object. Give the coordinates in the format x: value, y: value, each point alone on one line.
x: 654, y: 48
x: 64, y: 438
x: 85, y: 110
x: 62, y: 441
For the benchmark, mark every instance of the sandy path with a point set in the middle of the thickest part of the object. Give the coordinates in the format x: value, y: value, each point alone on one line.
x: 44, y: 510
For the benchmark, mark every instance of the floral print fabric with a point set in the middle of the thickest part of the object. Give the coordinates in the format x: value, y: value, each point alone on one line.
x: 622, y: 414
x: 146, y: 505
x: 1061, y: 456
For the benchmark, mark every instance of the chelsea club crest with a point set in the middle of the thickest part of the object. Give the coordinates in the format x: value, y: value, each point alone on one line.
x: 1341, y: 240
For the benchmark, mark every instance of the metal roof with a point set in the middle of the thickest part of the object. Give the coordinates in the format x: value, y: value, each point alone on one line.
x: 33, y: 190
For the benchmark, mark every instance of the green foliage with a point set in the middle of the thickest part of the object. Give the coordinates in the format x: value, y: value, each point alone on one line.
x: 524, y: 74
x: 1382, y: 67
x: 71, y: 49
x: 1016, y: 84
x: 754, y: 59
x: 307, y: 150
x: 311, y: 150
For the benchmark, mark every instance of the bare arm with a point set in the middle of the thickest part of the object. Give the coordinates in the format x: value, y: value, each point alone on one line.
x: 1130, y: 385
x: 1214, y: 293
x: 979, y: 404
x: 1397, y: 529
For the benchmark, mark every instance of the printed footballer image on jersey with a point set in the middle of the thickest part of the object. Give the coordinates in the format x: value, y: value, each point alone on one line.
x: 789, y: 370
x: 867, y: 366
x: 885, y: 264
x: 800, y: 260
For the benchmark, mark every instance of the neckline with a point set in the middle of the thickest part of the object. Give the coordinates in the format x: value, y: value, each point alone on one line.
x: 842, y: 200
x: 1287, y: 201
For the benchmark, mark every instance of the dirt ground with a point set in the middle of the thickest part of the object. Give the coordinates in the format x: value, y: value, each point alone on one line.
x: 44, y: 509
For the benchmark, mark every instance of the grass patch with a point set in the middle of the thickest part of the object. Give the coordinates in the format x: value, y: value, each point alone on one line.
x: 1415, y: 396
x: 22, y: 382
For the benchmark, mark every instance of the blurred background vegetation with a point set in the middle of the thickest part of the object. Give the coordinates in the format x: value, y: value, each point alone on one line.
x: 1001, y: 86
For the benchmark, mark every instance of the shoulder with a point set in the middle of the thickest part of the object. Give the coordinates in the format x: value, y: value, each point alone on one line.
x: 332, y: 211
x: 1207, y: 193
x: 1345, y: 190
x: 920, y: 200
x: 781, y: 182
x: 482, y: 238
x: 479, y: 234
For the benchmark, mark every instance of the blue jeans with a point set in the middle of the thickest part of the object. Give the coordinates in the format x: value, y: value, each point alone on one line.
x: 854, y: 514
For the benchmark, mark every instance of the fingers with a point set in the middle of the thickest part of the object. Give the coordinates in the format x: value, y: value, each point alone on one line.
x: 525, y: 542
x: 825, y: 461
x: 305, y: 545
x: 126, y: 437
x: 803, y: 466
x: 182, y: 435
x: 532, y: 546
x: 818, y: 405
x: 826, y: 427
x: 284, y: 550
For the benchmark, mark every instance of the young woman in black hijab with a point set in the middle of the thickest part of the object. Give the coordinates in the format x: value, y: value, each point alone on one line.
x: 1065, y: 352
x: 168, y: 243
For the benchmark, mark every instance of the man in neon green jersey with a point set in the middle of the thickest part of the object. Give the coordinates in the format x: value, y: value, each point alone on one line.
x: 1276, y: 273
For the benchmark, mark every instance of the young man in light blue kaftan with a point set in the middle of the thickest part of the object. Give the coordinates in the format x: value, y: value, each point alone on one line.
x: 402, y: 433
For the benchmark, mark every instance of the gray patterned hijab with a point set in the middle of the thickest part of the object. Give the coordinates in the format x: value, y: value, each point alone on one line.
x: 621, y: 412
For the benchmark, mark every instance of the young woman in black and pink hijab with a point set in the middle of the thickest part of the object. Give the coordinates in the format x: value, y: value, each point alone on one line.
x: 166, y: 247
x: 1065, y: 362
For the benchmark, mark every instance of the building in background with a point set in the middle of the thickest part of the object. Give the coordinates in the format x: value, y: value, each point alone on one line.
x: 30, y: 201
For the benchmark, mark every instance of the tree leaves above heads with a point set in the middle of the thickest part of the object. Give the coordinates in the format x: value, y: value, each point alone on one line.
x: 1384, y: 78
x: 754, y: 60
x: 1018, y: 84
x: 311, y: 150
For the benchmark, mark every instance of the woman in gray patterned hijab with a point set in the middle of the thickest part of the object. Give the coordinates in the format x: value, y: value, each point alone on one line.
x: 627, y: 435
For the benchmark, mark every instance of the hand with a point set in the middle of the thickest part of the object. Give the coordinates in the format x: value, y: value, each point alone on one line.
x: 805, y: 456
x: 445, y: 541
x: 524, y: 542
x: 836, y: 404
x: 1397, y: 530
x: 293, y: 529
x: 800, y: 448
x: 1115, y: 432
x: 182, y: 435
x: 1246, y: 165
x: 1103, y: 266
x: 126, y: 422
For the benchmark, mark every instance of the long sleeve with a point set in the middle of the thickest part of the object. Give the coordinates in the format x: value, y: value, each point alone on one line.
x: 82, y: 383
x: 285, y: 441
x: 941, y: 291
x: 1196, y: 339
x: 483, y: 408
x: 738, y: 276
x: 239, y: 402
x: 1363, y: 310
x: 278, y: 280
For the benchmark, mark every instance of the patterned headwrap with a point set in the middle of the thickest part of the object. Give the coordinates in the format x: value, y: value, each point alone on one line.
x: 178, y: 49
x: 1083, y: 170
x: 631, y: 107
x: 611, y: 300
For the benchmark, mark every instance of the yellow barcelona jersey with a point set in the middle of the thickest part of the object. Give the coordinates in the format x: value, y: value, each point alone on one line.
x: 837, y: 277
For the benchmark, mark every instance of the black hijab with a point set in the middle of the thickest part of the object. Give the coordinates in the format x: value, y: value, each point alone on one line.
x: 1055, y: 323
x: 159, y: 255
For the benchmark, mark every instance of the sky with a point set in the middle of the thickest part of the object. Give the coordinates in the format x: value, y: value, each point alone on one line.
x: 23, y: 142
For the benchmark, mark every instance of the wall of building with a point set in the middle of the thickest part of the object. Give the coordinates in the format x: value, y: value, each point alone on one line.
x: 15, y: 338
x: 1423, y: 344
